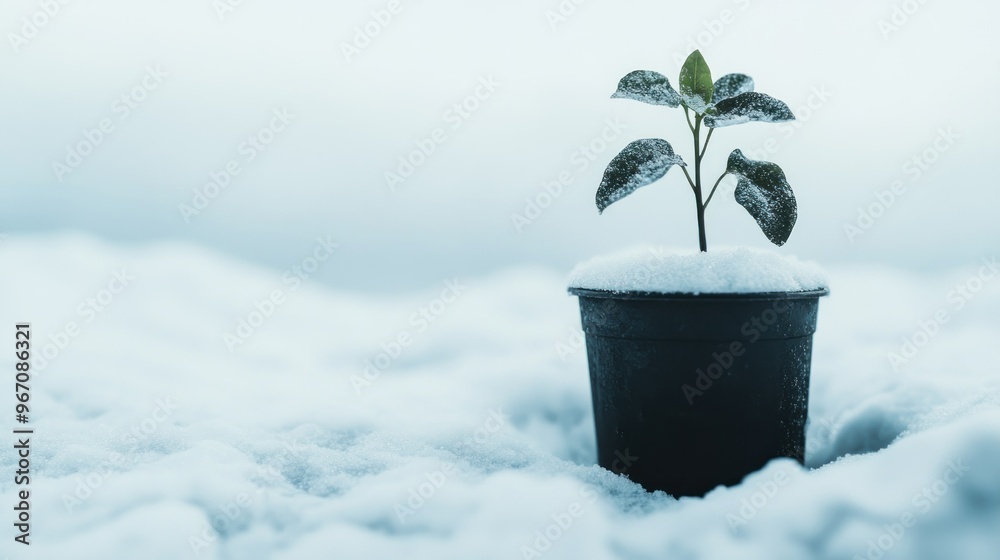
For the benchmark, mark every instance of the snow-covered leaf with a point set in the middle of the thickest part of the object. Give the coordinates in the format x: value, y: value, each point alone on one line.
x: 642, y: 162
x: 696, y: 83
x: 648, y: 87
x: 731, y: 85
x: 746, y: 107
x: 765, y: 193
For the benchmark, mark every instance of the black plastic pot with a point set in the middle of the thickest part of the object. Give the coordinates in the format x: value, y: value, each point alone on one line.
x: 694, y: 391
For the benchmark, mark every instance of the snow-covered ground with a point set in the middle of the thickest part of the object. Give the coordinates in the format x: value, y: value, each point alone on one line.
x: 455, y: 422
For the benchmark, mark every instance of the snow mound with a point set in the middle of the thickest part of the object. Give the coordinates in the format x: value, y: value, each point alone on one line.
x: 156, y: 439
x: 738, y: 270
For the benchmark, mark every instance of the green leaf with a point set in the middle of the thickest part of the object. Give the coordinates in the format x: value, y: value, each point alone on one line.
x: 642, y: 162
x: 731, y: 85
x: 648, y: 87
x: 746, y: 107
x: 696, y: 83
x: 765, y: 193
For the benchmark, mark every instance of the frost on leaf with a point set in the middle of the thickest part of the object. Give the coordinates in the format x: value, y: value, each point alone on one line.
x: 695, y: 83
x: 642, y: 162
x: 731, y: 85
x: 648, y: 87
x: 765, y: 193
x: 746, y: 107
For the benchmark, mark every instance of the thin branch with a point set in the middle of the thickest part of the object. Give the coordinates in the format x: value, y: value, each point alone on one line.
x: 687, y: 116
x: 717, y: 183
x: 688, y: 175
x: 707, y: 140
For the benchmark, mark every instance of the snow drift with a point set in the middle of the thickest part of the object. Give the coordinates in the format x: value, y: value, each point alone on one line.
x: 455, y: 422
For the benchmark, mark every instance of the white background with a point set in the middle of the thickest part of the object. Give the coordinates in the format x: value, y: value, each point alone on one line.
x: 892, y: 90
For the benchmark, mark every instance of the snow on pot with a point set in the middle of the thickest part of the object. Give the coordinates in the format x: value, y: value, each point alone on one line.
x: 699, y: 363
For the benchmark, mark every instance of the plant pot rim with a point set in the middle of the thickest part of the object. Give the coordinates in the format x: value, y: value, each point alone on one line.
x: 748, y: 296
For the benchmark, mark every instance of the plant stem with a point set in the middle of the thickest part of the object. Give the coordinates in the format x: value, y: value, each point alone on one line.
x: 698, y: 153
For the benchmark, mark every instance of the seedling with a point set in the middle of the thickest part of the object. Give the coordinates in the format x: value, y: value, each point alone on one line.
x: 761, y: 188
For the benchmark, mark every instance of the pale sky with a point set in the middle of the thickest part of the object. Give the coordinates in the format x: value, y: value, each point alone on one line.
x: 313, y: 111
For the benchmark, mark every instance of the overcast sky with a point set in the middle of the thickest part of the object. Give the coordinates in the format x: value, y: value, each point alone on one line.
x: 312, y: 103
